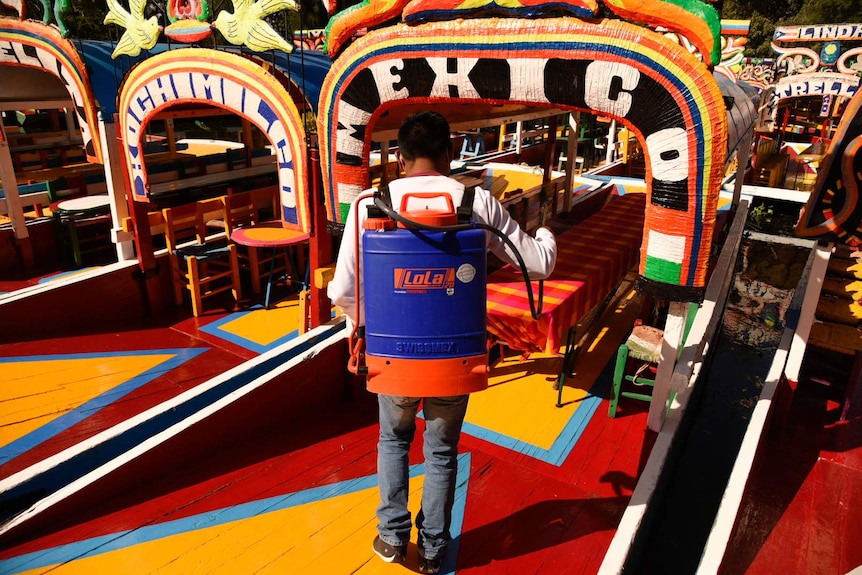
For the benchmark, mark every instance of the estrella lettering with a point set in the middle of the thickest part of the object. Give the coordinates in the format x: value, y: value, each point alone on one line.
x: 424, y: 278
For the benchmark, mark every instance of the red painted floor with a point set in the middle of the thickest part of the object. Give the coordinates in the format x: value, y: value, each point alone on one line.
x: 801, y: 513
x: 522, y: 514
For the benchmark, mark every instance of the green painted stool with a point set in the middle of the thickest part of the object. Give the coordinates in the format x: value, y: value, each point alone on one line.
x: 644, y: 344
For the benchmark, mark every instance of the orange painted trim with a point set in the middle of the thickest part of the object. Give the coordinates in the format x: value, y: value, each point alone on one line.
x: 427, y: 377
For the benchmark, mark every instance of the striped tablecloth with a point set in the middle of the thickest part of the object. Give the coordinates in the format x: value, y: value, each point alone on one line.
x: 592, y: 258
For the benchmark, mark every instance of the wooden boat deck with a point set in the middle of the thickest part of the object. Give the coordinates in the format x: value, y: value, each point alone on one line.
x: 286, y: 482
x: 800, y: 511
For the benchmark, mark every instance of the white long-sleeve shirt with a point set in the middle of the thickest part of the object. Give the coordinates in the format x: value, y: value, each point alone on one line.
x: 539, y: 253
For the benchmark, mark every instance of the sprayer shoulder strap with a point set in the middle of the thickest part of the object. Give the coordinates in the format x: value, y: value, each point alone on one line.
x: 465, y: 210
x: 383, y: 193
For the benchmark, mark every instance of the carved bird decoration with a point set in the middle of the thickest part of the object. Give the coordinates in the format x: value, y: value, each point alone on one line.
x: 140, y: 34
x: 246, y: 25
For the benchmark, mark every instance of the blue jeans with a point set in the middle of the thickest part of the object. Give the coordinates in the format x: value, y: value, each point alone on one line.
x: 443, y: 419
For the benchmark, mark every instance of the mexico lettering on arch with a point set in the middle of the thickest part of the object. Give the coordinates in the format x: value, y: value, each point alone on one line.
x: 658, y: 89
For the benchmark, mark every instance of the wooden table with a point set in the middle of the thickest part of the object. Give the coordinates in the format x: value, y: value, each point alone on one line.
x: 85, y: 205
x: 592, y: 258
x: 271, y: 235
x: 211, y: 179
x: 69, y: 171
x: 89, y: 214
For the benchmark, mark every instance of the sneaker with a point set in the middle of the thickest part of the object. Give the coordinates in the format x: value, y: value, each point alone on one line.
x: 427, y: 565
x: 389, y: 553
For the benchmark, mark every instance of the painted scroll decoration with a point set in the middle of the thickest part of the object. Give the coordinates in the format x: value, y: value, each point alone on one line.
x: 850, y: 61
x: 189, y: 20
x: 612, y: 68
x: 228, y: 81
x: 759, y: 72
x: 834, y: 209
x: 35, y: 45
x: 52, y: 12
x: 697, y: 21
x: 802, y: 60
x: 733, y: 41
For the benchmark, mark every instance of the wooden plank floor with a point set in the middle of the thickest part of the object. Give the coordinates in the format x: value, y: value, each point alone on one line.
x: 540, y: 489
x: 800, y: 514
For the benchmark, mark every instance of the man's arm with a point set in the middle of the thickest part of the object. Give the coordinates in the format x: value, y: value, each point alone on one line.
x: 342, y: 289
x: 539, y: 253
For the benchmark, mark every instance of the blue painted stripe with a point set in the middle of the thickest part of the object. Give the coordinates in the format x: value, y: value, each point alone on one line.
x: 60, y: 275
x: 15, y: 500
x: 215, y: 328
x: 562, y: 445
x: 124, y: 539
x: 90, y: 408
x: 568, y: 437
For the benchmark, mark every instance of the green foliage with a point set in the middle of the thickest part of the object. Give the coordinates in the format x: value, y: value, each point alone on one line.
x: 765, y: 15
x: 85, y: 20
x: 826, y: 11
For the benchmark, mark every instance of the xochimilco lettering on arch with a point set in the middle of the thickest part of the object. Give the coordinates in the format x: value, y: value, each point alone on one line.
x: 237, y: 84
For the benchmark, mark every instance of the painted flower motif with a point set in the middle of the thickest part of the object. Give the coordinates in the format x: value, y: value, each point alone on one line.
x: 188, y: 10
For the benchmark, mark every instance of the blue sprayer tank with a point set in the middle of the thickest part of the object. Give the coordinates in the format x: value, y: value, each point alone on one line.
x: 425, y: 309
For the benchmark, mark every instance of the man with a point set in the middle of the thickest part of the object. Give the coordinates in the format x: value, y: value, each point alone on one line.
x: 424, y: 154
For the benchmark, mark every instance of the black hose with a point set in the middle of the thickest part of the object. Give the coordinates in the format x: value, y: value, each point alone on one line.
x: 535, y: 311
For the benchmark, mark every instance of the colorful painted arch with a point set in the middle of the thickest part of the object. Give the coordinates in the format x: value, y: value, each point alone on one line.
x: 36, y: 45
x: 814, y: 85
x: 225, y: 80
x: 834, y: 208
x: 650, y: 84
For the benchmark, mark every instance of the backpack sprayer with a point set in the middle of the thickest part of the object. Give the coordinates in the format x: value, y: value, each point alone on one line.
x: 425, y: 294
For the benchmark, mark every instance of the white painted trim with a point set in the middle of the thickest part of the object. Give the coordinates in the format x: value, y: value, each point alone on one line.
x: 809, y: 306
x: 725, y: 519
x: 71, y: 278
x: 155, y: 440
x: 632, y: 518
x: 750, y: 191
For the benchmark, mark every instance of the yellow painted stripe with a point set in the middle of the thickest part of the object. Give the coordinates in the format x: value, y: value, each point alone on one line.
x: 35, y: 393
x: 520, y: 401
x: 264, y: 326
x: 329, y: 536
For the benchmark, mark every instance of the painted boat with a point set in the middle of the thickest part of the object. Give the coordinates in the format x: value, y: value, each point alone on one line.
x: 190, y: 444
x: 788, y: 501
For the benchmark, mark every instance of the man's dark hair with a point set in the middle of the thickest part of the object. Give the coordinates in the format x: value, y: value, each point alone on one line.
x: 424, y: 135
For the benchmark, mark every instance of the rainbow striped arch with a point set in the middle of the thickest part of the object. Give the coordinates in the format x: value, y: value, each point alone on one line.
x: 647, y: 82
x: 227, y: 81
x: 834, y: 208
x: 36, y: 45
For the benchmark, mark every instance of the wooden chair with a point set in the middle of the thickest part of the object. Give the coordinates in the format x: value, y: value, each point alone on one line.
x: 240, y: 212
x: 203, y: 266
x: 643, y: 346
x: 248, y: 209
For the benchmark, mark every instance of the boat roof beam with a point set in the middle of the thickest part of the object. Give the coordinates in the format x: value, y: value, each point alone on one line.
x: 462, y: 117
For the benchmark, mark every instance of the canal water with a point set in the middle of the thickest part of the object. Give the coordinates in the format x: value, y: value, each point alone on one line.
x: 732, y: 377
